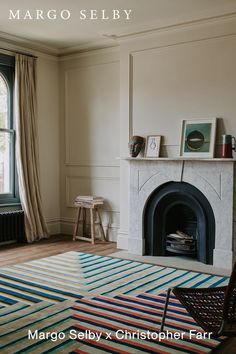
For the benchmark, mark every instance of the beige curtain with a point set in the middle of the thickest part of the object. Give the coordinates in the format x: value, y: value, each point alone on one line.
x: 27, y: 147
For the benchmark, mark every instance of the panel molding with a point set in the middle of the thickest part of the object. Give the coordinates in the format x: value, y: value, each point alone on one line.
x: 68, y: 161
x: 67, y: 181
x: 150, y: 29
x: 51, y: 220
x: 156, y: 49
x: 72, y: 221
x: 182, y: 42
x: 131, y: 91
x: 76, y: 164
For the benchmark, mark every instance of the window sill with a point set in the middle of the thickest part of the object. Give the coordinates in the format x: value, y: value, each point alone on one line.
x: 3, y: 205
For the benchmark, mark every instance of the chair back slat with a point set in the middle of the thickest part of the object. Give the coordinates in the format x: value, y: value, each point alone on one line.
x: 229, y: 312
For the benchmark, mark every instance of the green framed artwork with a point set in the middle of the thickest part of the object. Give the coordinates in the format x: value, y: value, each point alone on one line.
x: 198, y: 138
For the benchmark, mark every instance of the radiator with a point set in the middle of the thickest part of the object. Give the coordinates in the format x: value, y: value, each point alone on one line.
x: 12, y: 226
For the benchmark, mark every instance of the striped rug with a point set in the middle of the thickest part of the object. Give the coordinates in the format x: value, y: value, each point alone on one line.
x: 102, y: 315
x: 73, y: 275
x: 76, y: 293
x: 130, y: 315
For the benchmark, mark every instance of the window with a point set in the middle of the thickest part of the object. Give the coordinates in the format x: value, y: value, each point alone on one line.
x: 8, y: 178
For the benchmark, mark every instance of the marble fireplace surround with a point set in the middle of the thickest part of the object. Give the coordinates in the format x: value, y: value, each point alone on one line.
x: 213, y: 177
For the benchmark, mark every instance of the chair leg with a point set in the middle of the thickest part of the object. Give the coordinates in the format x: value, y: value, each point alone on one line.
x: 165, y: 309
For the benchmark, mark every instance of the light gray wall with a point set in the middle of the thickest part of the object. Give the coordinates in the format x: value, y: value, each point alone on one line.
x: 90, y: 134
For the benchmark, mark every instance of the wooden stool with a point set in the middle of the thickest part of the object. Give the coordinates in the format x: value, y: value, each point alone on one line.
x: 95, y: 219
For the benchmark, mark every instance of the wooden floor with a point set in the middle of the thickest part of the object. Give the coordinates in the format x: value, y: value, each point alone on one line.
x: 229, y: 347
x: 19, y: 253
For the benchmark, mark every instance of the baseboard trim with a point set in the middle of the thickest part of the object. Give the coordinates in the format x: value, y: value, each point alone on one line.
x: 54, y: 226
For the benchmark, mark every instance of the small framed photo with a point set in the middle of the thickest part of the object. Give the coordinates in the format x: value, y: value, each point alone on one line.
x: 198, y: 138
x: 153, y: 145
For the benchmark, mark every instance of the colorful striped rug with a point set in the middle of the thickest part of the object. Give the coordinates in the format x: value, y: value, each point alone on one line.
x: 125, y: 318
x: 73, y: 275
x: 77, y: 294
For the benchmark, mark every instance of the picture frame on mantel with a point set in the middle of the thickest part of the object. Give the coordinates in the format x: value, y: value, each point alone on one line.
x: 198, y: 138
x: 153, y: 146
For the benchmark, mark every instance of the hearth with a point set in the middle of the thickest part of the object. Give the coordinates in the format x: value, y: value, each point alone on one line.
x: 178, y: 208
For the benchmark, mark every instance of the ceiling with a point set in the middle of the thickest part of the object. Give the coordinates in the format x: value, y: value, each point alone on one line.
x: 65, y: 36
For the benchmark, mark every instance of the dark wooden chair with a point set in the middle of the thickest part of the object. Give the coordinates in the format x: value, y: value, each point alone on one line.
x: 214, y: 309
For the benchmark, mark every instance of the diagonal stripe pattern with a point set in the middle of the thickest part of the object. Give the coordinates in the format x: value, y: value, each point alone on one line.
x: 81, y: 292
x: 102, y: 315
x: 137, y: 314
x: 73, y: 275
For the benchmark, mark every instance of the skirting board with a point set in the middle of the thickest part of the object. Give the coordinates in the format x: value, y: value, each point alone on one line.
x: 54, y: 226
x: 122, y: 240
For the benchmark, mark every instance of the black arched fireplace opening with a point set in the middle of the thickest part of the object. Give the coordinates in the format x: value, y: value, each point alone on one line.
x: 179, y: 220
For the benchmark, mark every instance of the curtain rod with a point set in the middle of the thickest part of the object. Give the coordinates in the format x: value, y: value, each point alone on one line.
x: 18, y: 52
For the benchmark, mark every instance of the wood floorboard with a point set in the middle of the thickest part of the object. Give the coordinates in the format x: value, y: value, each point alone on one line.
x: 227, y: 347
x: 19, y: 253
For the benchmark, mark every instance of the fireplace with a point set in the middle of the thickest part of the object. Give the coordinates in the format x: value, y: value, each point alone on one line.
x: 202, y: 203
x: 179, y: 220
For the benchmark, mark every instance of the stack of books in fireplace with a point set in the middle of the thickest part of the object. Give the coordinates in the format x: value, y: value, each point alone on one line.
x: 181, y: 242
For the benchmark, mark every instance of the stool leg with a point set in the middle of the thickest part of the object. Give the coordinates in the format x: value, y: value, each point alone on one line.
x: 84, y: 222
x: 92, y: 226
x: 100, y: 225
x: 76, y: 224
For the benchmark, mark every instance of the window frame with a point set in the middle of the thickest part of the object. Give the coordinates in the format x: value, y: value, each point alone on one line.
x: 7, y: 70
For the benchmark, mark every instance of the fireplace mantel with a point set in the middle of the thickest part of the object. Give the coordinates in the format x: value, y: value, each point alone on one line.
x: 215, y: 178
x: 178, y: 159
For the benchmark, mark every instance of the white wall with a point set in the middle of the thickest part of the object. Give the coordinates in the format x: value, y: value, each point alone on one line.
x: 180, y: 73
x: 90, y: 134
x: 193, y: 80
x: 106, y: 96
